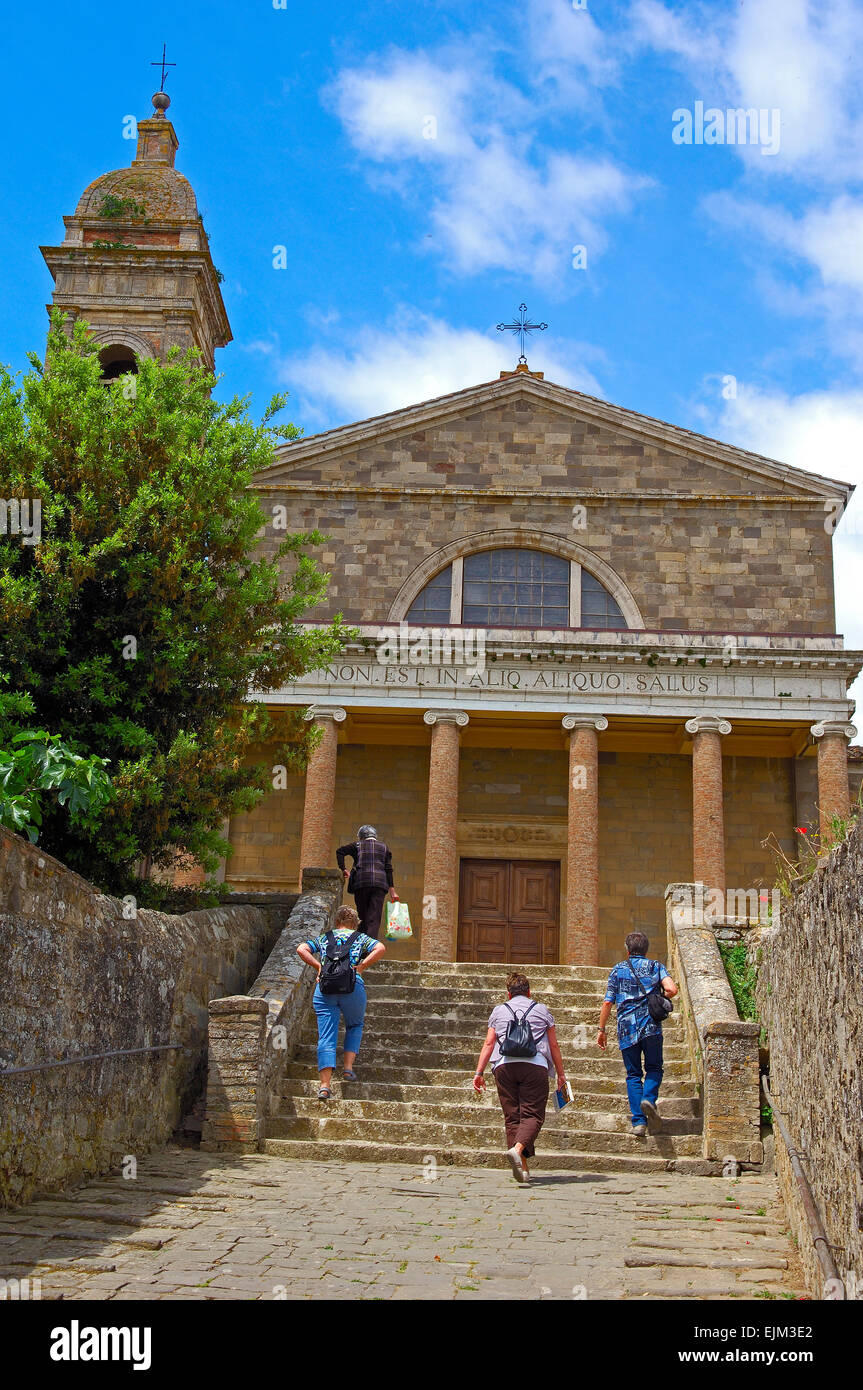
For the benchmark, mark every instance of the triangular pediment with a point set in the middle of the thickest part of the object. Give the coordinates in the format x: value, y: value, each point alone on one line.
x: 524, y: 433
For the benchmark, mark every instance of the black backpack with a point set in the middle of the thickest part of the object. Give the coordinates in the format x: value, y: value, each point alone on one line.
x: 338, y: 976
x: 657, y: 1005
x: 519, y: 1040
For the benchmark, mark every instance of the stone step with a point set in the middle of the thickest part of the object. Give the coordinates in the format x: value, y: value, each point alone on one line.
x: 471, y: 1112
x: 388, y: 1063
x: 678, y: 1098
x: 395, y: 1031
x: 565, y: 1008
x: 428, y: 974
x: 459, y: 1043
x: 419, y: 997
x: 556, y: 1138
x: 370, y: 1151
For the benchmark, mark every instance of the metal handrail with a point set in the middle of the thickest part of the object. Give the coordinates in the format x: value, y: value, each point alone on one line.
x: 90, y: 1057
x: 820, y: 1241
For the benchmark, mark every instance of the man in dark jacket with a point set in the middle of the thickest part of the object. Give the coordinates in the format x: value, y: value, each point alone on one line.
x: 371, y: 878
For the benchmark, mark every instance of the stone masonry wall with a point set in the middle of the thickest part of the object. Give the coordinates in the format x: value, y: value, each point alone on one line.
x: 723, y: 1048
x: 810, y: 997
x: 78, y: 978
x: 251, y: 1036
x: 727, y: 565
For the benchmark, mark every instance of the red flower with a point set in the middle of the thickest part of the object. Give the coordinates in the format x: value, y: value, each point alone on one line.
x: 801, y: 830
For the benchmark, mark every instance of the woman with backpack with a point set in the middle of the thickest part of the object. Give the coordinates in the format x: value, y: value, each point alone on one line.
x: 524, y: 1050
x: 340, y: 956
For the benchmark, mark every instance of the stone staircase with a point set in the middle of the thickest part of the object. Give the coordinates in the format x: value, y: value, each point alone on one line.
x: 424, y: 1026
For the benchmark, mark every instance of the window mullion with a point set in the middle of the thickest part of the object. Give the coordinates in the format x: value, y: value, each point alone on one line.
x: 456, y: 590
x: 574, y: 594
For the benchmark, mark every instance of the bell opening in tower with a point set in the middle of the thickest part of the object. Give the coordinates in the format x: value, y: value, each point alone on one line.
x: 117, y: 361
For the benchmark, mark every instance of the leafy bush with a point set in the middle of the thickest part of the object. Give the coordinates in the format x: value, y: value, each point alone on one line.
x: 742, y: 976
x: 37, y: 765
x: 113, y: 208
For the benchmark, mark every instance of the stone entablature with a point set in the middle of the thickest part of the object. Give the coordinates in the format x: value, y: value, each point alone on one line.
x: 786, y: 678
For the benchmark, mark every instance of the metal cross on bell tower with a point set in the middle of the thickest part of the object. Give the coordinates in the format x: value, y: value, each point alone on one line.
x: 522, y: 326
x: 163, y: 65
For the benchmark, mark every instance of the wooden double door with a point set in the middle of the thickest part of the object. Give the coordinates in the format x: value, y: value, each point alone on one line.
x: 509, y: 911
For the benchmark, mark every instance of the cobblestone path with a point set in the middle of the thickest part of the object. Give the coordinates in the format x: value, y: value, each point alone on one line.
x: 210, y: 1226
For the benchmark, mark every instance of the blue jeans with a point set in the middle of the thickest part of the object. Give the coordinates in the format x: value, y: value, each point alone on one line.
x: 646, y: 1087
x: 328, y: 1007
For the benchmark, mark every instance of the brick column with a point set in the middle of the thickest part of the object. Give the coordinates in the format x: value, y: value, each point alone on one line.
x: 582, y: 855
x: 834, y: 796
x: 708, y: 820
x: 317, y: 842
x: 440, y: 884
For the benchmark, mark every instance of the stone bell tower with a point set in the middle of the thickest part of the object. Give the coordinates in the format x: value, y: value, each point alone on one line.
x: 136, y: 261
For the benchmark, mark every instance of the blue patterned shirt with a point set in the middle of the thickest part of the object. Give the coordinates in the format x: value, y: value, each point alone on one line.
x: 633, y: 1020
x: 363, y: 946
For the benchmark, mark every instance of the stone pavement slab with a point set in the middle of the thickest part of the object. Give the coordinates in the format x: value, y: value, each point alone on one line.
x: 204, y: 1226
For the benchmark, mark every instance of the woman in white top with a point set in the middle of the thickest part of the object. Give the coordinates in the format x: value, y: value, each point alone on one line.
x: 522, y: 1081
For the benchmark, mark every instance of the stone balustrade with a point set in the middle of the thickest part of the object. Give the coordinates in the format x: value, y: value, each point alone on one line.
x: 723, y: 1048
x: 252, y: 1035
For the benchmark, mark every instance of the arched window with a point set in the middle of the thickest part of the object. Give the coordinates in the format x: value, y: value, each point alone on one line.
x: 117, y: 360
x: 515, y: 588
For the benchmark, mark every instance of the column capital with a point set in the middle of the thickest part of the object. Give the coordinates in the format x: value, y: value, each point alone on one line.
x: 446, y: 716
x: 334, y: 712
x: 585, y: 721
x: 833, y: 726
x: 708, y: 723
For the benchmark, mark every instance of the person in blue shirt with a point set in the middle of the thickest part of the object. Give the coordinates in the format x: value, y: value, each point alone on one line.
x: 639, y: 1037
x: 364, y: 952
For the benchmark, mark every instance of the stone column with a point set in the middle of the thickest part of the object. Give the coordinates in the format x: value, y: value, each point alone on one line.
x: 834, y: 796
x: 440, y: 884
x: 317, y: 842
x: 582, y: 857
x: 708, y: 820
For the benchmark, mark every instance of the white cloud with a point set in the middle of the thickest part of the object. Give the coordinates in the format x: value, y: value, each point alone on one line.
x: 405, y: 105
x: 499, y: 200
x: 825, y: 240
x: 797, y: 56
x: 567, y: 50
x: 823, y: 433
x: 829, y: 237
x: 415, y: 358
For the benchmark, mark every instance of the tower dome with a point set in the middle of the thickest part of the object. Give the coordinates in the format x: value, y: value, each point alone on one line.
x: 136, y: 263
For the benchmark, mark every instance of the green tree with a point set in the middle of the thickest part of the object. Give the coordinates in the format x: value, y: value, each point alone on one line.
x: 157, y: 599
x: 36, y: 767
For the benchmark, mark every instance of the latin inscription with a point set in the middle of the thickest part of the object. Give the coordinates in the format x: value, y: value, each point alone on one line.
x: 512, y: 678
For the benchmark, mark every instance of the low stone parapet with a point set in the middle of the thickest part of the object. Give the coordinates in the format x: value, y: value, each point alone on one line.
x: 723, y: 1048
x: 104, y: 1019
x: 252, y: 1036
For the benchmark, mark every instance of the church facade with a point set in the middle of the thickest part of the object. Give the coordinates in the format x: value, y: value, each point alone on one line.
x: 594, y: 653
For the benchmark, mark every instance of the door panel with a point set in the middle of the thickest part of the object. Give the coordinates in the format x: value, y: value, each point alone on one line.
x: 508, y: 911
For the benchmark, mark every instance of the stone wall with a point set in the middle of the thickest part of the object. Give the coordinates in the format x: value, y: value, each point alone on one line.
x: 77, y: 977
x: 252, y: 1035
x: 723, y: 1049
x: 723, y: 563
x: 810, y: 997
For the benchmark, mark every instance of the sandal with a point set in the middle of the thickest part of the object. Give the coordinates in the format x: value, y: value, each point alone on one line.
x: 324, y: 1093
x: 349, y: 1076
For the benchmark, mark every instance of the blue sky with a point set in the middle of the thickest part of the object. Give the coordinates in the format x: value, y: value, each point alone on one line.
x: 430, y: 165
